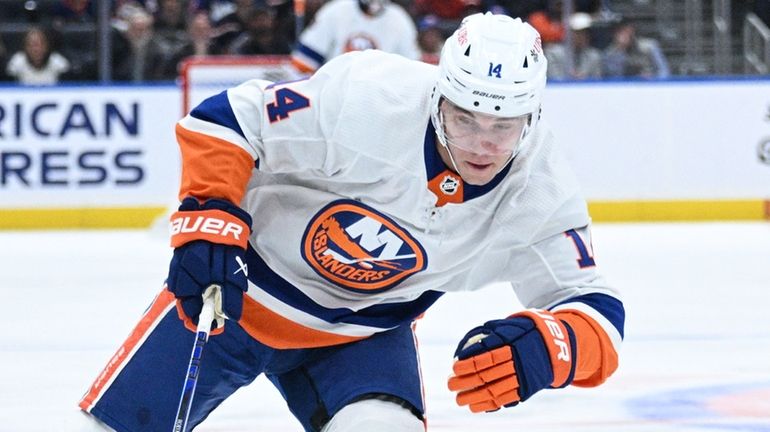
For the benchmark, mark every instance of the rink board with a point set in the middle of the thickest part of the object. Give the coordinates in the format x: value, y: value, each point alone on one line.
x: 106, y: 157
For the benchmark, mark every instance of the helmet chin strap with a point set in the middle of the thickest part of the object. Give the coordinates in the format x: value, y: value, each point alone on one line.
x: 443, y: 141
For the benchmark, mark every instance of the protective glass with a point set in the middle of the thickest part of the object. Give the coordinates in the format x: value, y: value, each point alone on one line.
x: 481, y: 133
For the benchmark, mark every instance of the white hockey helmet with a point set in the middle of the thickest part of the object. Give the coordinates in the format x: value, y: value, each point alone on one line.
x: 494, y: 65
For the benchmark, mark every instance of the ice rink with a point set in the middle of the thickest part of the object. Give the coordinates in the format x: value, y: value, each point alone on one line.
x: 696, y: 355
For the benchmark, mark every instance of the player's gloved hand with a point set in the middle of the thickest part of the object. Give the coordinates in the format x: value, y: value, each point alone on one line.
x: 506, y: 361
x: 209, y: 240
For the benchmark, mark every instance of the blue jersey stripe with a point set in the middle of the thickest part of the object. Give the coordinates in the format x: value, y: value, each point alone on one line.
x: 610, y: 307
x: 216, y: 109
x: 383, y: 316
x: 310, y: 53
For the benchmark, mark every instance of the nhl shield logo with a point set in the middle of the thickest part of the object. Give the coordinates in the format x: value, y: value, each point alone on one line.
x: 359, y: 249
x: 449, y: 185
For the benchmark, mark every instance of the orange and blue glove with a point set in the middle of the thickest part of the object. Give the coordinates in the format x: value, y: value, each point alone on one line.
x: 504, y: 362
x: 210, y: 241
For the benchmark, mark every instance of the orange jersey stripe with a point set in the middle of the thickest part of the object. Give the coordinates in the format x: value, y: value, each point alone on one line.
x: 279, y: 332
x: 301, y: 66
x: 120, y: 358
x: 596, y: 356
x: 212, y: 167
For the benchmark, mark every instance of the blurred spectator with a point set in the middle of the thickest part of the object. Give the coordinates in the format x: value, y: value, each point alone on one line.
x: 548, y: 24
x: 261, y: 36
x: 235, y: 23
x: 543, y: 15
x: 150, y: 6
x: 587, y: 6
x: 524, y: 8
x: 587, y: 59
x: 521, y: 8
x: 286, y: 24
x: 198, y: 42
x: 631, y: 56
x: 170, y: 27
x: 73, y: 11
x: 37, y: 64
x: 437, y: 19
x: 136, y: 55
x: 448, y: 10
x: 216, y: 9
x: 351, y: 25
x: 170, y: 18
x: 3, y: 60
x: 74, y: 36
x: 311, y: 9
x: 430, y: 39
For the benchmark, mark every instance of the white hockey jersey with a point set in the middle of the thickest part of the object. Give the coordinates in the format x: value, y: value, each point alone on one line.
x: 358, y: 226
x: 340, y: 26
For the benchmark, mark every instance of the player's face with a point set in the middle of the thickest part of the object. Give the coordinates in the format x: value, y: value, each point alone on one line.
x: 481, y: 144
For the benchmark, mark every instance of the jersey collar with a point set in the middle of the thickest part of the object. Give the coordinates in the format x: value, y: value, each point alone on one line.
x: 446, y: 184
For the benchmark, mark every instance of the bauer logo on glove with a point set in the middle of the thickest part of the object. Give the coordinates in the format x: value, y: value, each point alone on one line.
x: 210, y: 241
x: 212, y: 225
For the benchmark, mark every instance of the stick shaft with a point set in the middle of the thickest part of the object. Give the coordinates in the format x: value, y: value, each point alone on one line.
x: 193, y: 367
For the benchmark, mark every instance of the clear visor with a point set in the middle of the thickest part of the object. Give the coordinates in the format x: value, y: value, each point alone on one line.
x: 482, y: 133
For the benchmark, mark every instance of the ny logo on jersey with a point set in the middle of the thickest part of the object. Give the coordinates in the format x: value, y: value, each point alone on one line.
x: 358, y: 248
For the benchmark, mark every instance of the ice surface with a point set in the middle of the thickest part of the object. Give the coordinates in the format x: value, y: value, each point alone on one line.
x: 696, y: 355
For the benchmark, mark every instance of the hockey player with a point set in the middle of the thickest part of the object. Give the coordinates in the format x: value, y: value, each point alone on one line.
x: 342, y: 26
x: 335, y: 210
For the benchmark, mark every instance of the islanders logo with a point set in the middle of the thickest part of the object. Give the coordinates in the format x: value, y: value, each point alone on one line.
x: 359, y: 42
x: 360, y: 249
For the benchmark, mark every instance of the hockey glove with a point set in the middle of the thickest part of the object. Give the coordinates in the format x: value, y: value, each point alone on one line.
x: 209, y: 240
x: 506, y: 361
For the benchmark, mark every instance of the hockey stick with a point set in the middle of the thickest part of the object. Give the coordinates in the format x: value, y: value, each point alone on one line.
x: 202, y: 336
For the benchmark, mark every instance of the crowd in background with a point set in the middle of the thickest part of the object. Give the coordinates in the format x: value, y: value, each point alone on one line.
x: 47, y: 41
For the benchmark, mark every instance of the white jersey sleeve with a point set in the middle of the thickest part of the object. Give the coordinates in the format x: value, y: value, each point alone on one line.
x: 310, y: 124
